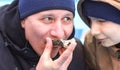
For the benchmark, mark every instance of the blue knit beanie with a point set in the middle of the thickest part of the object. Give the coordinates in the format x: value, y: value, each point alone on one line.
x: 29, y: 7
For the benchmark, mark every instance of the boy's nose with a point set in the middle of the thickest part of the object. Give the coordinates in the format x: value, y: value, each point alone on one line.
x: 95, y: 29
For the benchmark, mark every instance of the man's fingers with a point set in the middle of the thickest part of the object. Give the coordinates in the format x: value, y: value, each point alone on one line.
x: 65, y: 55
x: 67, y: 62
x: 48, y: 48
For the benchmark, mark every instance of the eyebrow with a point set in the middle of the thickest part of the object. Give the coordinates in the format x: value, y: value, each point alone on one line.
x: 117, y: 1
x: 49, y: 14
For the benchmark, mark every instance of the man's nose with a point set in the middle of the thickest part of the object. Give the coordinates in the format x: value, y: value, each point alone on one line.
x: 58, y: 30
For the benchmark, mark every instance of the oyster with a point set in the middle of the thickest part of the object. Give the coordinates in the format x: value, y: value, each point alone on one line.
x: 62, y: 43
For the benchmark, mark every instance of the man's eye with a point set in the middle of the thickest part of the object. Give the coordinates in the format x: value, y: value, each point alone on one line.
x: 67, y: 19
x: 48, y: 20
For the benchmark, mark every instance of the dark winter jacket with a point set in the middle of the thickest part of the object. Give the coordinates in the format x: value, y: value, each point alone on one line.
x: 15, y: 52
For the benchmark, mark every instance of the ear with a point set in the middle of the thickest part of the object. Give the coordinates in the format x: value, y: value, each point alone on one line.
x: 23, y: 23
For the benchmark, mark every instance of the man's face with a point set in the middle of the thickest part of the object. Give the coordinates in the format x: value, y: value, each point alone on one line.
x: 51, y: 23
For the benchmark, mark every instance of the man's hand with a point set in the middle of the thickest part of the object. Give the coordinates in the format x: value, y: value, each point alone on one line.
x: 62, y: 63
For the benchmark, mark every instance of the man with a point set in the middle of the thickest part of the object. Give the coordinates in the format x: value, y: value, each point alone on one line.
x: 102, y: 43
x: 27, y: 29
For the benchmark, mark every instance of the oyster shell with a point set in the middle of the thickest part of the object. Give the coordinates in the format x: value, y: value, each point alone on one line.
x: 62, y: 43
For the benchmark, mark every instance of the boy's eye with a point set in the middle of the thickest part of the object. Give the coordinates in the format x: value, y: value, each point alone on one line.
x: 101, y: 21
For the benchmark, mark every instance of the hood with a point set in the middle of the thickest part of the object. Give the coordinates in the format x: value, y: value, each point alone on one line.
x: 80, y: 11
x: 13, y: 34
x: 10, y: 24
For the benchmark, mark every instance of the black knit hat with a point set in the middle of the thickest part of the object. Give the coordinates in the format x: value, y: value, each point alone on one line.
x: 29, y: 7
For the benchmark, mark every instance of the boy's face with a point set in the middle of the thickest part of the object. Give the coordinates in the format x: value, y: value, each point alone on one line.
x: 51, y: 23
x: 106, y: 32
